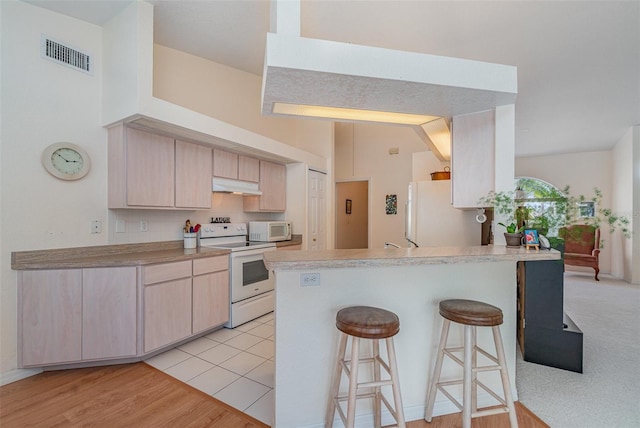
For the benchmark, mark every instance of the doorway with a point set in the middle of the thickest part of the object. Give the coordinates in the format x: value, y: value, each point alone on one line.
x: 352, y: 214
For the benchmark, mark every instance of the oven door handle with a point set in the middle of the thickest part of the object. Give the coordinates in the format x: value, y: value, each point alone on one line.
x: 249, y: 253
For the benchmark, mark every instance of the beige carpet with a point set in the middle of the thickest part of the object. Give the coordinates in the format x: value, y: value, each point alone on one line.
x: 607, y: 394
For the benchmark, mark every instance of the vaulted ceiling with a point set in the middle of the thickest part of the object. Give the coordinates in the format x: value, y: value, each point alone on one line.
x: 578, y: 62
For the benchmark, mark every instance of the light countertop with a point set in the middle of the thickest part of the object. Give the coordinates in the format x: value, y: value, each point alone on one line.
x: 331, y: 259
x: 110, y: 256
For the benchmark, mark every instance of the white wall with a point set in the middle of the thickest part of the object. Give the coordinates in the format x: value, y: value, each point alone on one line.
x: 362, y: 152
x: 622, y: 203
x: 43, y: 103
x: 582, y: 172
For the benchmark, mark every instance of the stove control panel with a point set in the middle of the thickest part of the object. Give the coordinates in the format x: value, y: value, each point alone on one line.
x: 216, y: 230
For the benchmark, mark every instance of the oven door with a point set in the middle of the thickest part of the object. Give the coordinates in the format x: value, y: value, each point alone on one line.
x: 249, y: 276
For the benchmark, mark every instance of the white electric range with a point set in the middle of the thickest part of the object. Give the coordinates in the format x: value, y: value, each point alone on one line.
x: 250, y: 283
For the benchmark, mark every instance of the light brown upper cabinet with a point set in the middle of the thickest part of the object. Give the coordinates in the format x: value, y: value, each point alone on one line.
x: 147, y: 170
x: 273, y: 184
x: 472, y: 158
x: 225, y: 164
x: 193, y: 176
x: 248, y: 169
x: 235, y: 167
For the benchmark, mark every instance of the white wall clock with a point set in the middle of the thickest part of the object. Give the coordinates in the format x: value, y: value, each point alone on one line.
x: 66, y: 161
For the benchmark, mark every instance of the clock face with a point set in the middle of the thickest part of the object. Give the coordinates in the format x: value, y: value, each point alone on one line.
x: 66, y: 161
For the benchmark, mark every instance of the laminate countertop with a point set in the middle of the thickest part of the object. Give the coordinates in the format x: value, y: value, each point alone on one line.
x: 384, y: 257
x: 110, y: 256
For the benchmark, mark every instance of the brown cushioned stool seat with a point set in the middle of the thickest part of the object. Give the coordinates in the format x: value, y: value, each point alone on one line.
x: 471, y: 314
x: 365, y: 322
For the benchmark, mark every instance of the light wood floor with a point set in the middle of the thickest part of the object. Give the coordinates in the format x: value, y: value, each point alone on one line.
x: 138, y: 395
x: 131, y: 395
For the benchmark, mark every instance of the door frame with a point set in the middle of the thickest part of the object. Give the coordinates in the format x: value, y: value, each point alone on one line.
x: 369, y: 202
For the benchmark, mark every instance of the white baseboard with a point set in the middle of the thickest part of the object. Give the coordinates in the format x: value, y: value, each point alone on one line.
x: 16, y: 375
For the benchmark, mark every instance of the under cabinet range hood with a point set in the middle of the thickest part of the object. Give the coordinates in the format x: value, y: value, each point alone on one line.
x: 227, y: 185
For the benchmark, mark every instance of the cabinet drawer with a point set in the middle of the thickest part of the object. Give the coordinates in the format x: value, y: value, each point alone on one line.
x: 166, y: 272
x: 211, y: 264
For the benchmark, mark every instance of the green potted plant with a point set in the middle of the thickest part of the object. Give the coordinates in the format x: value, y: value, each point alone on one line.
x: 504, y: 204
x: 513, y: 235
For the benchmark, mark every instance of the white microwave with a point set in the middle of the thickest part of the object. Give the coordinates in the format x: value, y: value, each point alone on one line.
x: 269, y: 231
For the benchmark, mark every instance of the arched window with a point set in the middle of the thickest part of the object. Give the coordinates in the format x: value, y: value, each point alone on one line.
x: 542, y: 205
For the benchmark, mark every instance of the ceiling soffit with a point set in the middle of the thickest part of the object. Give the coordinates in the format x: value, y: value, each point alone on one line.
x: 319, y: 72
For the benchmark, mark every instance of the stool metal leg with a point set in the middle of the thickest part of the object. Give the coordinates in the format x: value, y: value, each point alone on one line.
x: 395, y: 386
x: 335, y: 384
x: 502, y: 361
x: 433, y: 385
x: 377, y: 405
x: 468, y: 377
x: 353, y: 382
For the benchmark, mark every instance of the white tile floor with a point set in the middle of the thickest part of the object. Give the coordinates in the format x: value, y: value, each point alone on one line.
x: 235, y: 366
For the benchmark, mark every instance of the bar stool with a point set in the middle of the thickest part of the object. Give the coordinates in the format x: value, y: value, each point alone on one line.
x: 471, y: 314
x: 364, y: 322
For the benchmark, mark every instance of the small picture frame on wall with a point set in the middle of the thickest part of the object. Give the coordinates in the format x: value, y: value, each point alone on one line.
x: 391, y: 204
x: 348, y: 206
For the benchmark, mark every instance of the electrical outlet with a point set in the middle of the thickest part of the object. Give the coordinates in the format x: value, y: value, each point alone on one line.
x: 144, y: 226
x: 119, y: 226
x: 96, y: 226
x: 309, y: 279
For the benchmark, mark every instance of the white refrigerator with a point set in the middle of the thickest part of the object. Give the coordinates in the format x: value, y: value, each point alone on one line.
x: 431, y: 220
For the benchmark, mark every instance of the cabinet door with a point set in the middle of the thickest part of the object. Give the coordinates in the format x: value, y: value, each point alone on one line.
x: 50, y: 316
x: 472, y: 158
x: 167, y: 313
x: 273, y: 186
x: 248, y: 169
x: 108, y: 312
x: 193, y: 175
x: 210, y: 300
x: 225, y: 164
x: 150, y: 169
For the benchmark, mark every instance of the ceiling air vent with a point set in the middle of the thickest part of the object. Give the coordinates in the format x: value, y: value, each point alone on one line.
x: 62, y: 54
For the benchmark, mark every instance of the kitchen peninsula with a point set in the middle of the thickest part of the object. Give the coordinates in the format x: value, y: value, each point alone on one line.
x: 409, y: 282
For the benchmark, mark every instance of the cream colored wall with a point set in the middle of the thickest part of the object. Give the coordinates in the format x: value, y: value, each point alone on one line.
x: 233, y: 96
x: 352, y: 229
x: 362, y: 152
x: 582, y: 172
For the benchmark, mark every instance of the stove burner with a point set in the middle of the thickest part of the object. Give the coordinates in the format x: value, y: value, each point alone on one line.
x: 220, y: 219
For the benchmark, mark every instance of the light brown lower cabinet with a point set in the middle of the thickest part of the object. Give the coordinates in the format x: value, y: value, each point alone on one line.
x: 50, y: 319
x: 210, y: 293
x: 210, y: 300
x: 167, y: 313
x: 73, y: 316
x: 109, y: 312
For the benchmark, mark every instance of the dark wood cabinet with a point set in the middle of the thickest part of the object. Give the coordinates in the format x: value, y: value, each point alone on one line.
x: 546, y: 334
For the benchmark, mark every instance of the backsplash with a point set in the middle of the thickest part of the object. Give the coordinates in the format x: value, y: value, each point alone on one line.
x: 165, y: 225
